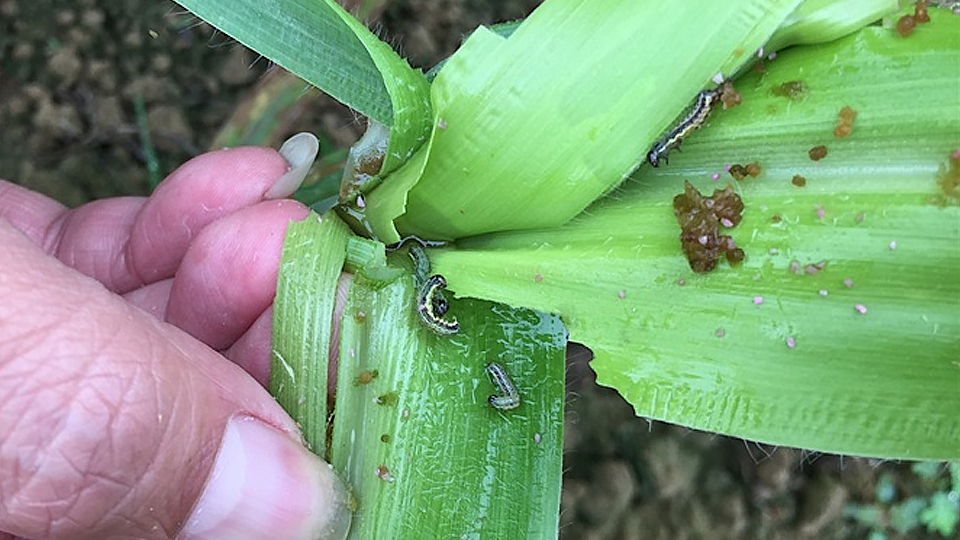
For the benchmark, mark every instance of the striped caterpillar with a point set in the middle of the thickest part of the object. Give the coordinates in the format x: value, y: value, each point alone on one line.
x: 510, y: 398
x: 432, y: 306
x: 706, y: 99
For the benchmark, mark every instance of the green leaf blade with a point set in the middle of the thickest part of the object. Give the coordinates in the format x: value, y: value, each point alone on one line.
x: 335, y: 60
x: 820, y: 21
x: 426, y: 454
x: 758, y: 351
x: 531, y: 129
x: 327, y: 47
x: 313, y: 254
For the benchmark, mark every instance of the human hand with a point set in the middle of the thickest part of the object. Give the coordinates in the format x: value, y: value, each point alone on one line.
x: 123, y: 412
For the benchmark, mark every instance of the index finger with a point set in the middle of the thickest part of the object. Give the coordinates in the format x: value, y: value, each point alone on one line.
x: 128, y: 242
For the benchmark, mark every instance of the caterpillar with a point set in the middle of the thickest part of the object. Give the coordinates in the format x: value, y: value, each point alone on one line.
x: 432, y: 306
x: 511, y: 397
x: 421, y: 264
x: 415, y: 239
x: 694, y: 119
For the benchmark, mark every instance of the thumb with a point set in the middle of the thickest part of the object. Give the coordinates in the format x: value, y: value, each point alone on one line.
x: 114, y: 425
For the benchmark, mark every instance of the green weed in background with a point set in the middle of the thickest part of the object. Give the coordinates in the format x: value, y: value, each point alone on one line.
x: 893, y: 513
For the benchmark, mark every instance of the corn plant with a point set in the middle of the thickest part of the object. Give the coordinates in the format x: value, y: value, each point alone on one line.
x: 521, y: 160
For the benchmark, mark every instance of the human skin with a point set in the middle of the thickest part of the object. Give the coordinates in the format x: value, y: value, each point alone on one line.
x: 134, y: 345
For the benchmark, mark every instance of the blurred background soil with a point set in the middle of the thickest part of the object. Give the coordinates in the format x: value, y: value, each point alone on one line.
x: 98, y: 97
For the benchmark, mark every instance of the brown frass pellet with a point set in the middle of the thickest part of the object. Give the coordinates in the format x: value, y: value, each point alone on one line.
x: 818, y: 152
x: 844, y: 122
x: 737, y: 171
x: 729, y: 95
x: 700, y: 219
x: 906, y: 25
x: 920, y: 12
x: 842, y: 131
x: 847, y: 114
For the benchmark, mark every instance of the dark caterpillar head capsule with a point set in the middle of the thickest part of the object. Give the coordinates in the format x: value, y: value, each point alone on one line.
x: 653, y: 158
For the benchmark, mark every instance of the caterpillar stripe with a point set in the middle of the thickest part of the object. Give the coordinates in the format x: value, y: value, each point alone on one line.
x: 432, y: 306
x: 697, y: 116
x: 511, y: 397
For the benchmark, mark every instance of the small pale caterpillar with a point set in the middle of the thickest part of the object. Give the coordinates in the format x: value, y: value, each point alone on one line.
x: 511, y: 397
x: 697, y: 116
x: 432, y: 305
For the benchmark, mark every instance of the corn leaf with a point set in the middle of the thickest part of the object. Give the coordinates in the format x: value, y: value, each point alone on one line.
x: 313, y: 255
x: 819, y: 21
x: 411, y: 416
x: 427, y: 456
x: 530, y: 129
x: 327, y: 47
x: 841, y: 330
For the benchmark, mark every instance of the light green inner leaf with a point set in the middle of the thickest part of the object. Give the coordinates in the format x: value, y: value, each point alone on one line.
x: 875, y: 333
x: 819, y: 21
x: 313, y: 254
x: 411, y: 417
x: 413, y: 428
x: 531, y: 129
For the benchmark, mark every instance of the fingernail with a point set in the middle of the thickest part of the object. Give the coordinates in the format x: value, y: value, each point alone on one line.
x: 300, y: 151
x: 266, y: 486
